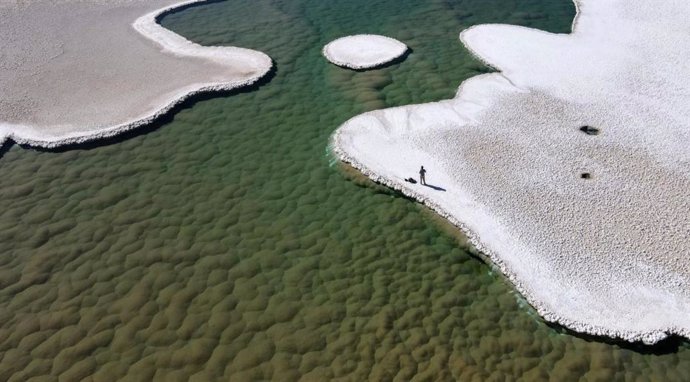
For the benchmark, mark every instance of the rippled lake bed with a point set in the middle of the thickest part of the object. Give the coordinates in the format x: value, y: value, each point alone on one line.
x: 226, y: 243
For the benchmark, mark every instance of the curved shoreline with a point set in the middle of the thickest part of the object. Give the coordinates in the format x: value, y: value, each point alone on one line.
x: 648, y: 338
x: 389, y: 119
x: 351, y: 65
x: 171, y: 43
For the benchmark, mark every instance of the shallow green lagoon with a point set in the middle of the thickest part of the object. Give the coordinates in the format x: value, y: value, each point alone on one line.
x: 226, y: 244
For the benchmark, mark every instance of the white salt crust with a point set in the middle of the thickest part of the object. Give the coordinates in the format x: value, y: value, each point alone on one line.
x: 609, y: 255
x: 170, y: 69
x: 363, y: 51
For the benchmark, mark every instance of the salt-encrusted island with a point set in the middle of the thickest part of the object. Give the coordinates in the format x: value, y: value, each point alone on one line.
x: 363, y: 51
x: 72, y: 71
x: 569, y: 168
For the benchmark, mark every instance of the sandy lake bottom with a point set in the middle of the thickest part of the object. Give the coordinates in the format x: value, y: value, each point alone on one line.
x: 227, y: 244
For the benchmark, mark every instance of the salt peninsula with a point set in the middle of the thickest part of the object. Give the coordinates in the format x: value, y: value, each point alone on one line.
x: 74, y: 71
x: 363, y: 51
x: 569, y: 167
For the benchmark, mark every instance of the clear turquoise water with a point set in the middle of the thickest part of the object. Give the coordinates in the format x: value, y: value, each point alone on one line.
x: 227, y: 245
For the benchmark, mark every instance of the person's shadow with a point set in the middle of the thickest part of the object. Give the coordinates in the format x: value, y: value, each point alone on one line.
x: 413, y: 181
x: 437, y: 188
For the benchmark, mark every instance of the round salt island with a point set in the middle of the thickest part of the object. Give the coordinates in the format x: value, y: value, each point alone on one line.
x: 363, y: 51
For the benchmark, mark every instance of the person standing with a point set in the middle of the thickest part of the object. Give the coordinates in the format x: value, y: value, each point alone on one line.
x: 422, y: 175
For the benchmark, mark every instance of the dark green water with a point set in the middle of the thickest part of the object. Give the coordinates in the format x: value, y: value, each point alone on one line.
x: 226, y: 245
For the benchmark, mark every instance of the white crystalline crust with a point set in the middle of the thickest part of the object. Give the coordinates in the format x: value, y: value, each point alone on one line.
x: 73, y: 71
x: 608, y: 255
x: 363, y: 51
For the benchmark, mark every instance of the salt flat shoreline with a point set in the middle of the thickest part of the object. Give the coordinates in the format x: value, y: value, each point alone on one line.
x: 601, y: 256
x: 148, y: 92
